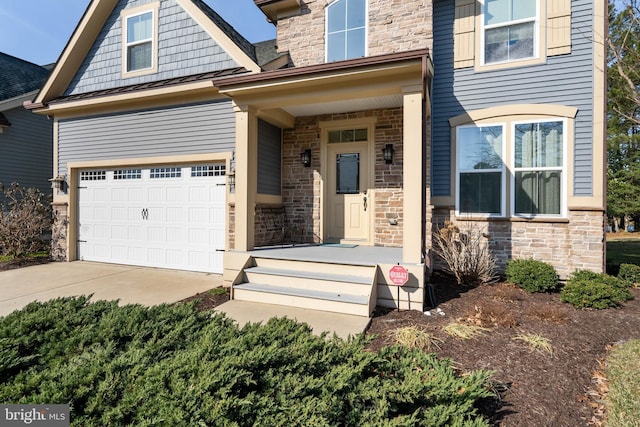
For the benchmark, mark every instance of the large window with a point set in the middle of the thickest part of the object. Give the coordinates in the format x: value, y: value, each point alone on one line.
x: 510, y: 30
x: 536, y: 165
x: 346, y: 24
x: 480, y: 169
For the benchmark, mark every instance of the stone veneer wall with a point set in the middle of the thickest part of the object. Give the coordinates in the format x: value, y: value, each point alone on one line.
x: 59, y: 232
x: 394, y: 26
x: 578, y: 243
x: 301, y: 185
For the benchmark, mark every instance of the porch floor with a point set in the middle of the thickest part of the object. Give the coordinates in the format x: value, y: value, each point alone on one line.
x: 334, y: 254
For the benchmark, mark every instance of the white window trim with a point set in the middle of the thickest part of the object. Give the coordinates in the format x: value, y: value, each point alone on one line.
x: 125, y: 15
x: 537, y: 41
x: 564, y: 170
x: 503, y: 171
x: 326, y: 29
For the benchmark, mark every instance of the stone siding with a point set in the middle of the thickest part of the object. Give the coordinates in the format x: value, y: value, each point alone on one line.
x: 394, y: 26
x: 60, y: 232
x: 576, y: 244
x: 301, y: 185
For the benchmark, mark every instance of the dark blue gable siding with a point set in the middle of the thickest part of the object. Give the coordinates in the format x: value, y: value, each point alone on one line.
x: 564, y: 80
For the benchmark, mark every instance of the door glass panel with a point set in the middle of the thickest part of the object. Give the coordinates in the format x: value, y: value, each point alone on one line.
x: 348, y: 173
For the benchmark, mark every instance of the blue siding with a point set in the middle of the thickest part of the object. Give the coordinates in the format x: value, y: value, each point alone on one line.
x: 184, y: 48
x: 27, y: 150
x: 186, y: 129
x: 564, y: 80
x: 269, y: 159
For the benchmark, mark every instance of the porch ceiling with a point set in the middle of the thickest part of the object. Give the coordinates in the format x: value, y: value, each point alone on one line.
x: 340, y: 87
x: 357, y: 104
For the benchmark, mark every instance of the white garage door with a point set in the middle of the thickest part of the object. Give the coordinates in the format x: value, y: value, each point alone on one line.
x: 169, y: 216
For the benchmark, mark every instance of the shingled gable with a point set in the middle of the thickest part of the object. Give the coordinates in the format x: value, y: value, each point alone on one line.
x: 95, y: 17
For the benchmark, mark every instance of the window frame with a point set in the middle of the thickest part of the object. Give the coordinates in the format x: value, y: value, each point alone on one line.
x: 563, y: 168
x: 127, y: 14
x: 503, y: 171
x: 539, y: 40
x: 326, y: 31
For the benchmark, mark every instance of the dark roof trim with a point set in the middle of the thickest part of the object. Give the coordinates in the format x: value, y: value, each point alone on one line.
x: 142, y: 86
x: 4, y: 121
x: 349, y: 64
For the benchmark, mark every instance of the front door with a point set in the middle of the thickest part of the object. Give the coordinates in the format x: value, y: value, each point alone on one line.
x: 349, y: 205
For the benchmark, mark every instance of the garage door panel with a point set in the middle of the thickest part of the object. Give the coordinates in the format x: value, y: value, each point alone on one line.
x: 157, y: 217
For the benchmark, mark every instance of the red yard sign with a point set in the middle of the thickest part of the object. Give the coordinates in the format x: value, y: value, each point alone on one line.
x: 398, y: 275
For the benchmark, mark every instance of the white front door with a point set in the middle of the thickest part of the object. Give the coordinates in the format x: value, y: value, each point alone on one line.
x: 349, y: 202
x: 165, y: 216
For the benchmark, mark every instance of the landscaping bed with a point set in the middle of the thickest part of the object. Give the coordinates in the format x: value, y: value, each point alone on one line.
x: 11, y: 264
x: 537, y: 388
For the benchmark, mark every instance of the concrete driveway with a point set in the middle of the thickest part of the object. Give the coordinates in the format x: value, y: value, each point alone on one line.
x: 129, y: 284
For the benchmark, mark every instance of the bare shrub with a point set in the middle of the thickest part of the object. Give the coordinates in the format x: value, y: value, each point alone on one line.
x: 549, y: 313
x: 25, y: 216
x: 466, y: 254
x: 508, y: 293
x: 491, y: 314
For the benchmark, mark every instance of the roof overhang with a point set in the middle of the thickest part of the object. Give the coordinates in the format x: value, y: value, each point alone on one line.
x: 275, y: 9
x: 337, y: 87
x: 8, y: 104
x: 194, y: 92
x: 195, y: 88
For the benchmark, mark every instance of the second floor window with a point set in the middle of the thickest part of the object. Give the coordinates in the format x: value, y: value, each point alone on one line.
x: 510, y: 30
x: 346, y: 24
x: 140, y: 41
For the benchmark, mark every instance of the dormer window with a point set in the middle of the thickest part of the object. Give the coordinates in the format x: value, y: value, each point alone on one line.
x: 139, y: 40
x: 346, y: 30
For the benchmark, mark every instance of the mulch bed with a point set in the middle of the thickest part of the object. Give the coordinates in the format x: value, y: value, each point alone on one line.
x: 536, y: 388
x: 23, y: 262
x: 208, y: 300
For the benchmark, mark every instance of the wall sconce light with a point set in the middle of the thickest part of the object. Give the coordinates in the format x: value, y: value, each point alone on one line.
x: 305, y: 157
x: 232, y: 181
x: 57, y: 183
x: 387, y: 153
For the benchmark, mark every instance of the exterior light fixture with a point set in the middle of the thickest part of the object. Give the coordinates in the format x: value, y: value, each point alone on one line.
x: 232, y: 181
x: 305, y: 158
x: 57, y: 183
x: 387, y: 153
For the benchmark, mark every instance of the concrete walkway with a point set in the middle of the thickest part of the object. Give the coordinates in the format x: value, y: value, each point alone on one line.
x: 343, y: 325
x: 129, y: 284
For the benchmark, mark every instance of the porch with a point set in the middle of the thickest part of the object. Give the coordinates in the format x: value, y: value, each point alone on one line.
x: 337, y: 278
x: 333, y: 152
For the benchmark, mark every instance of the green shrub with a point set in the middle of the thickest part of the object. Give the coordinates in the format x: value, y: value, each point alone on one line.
x: 629, y: 273
x: 532, y: 275
x: 173, y: 365
x: 586, y: 289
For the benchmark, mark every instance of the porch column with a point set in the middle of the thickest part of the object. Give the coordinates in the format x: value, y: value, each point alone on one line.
x: 412, y: 171
x: 246, y: 176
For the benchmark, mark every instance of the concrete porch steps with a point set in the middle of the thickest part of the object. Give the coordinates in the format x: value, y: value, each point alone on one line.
x: 338, y: 288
